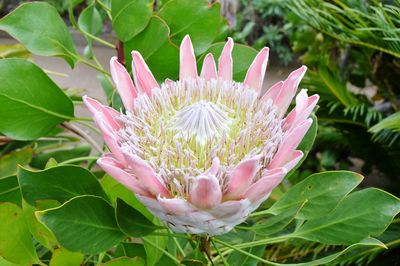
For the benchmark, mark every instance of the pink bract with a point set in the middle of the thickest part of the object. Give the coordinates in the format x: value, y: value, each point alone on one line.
x: 203, y: 152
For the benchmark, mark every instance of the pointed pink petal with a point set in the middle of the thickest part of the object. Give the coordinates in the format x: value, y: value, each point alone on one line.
x: 290, y: 143
x: 255, y: 75
x: 142, y: 75
x: 187, y: 66
x: 205, y: 192
x: 123, y: 83
x: 109, y: 115
x: 225, y: 62
x: 293, y: 160
x: 176, y: 206
x: 289, y: 89
x: 209, y: 70
x: 273, y: 92
x: 115, y: 169
x: 265, y: 184
x: 146, y: 175
x: 303, y: 109
x: 241, y: 178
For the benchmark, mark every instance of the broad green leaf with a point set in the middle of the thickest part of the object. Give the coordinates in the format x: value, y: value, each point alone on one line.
x: 361, y: 214
x: 9, y: 190
x: 129, y: 17
x: 242, y: 56
x: 40, y: 232
x: 64, y: 257
x: 147, y: 42
x: 199, y: 19
x: 83, y: 224
x: 320, y: 193
x: 59, y: 183
x: 39, y: 27
x: 13, y: 50
x: 125, y: 262
x: 9, y: 162
x: 39, y: 161
x: 31, y: 103
x: 132, y: 222
x: 16, y: 243
x: 4, y: 262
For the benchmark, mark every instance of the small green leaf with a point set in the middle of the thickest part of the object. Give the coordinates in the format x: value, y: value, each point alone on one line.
x: 9, y: 162
x: 242, y: 56
x: 9, y: 190
x: 15, y: 239
x: 39, y: 27
x: 84, y: 224
x: 31, y: 103
x: 320, y: 193
x: 361, y: 214
x: 154, y: 254
x: 90, y: 20
x: 59, y: 183
x: 131, y: 221
x: 64, y: 257
x: 129, y: 17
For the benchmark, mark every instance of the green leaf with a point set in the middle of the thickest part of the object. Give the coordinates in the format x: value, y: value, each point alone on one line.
x: 125, y: 262
x: 131, y: 221
x: 130, y: 250
x: 39, y: 27
x: 320, y: 193
x: 129, y: 17
x: 15, y: 239
x: 4, y: 262
x: 59, y: 183
x: 9, y: 190
x: 199, y: 19
x: 31, y: 103
x: 391, y: 122
x: 90, y: 20
x: 64, y: 257
x: 195, y: 258
x: 40, y: 160
x: 239, y: 259
x: 84, y: 223
x: 361, y: 214
x: 40, y: 232
x: 242, y: 56
x: 9, y: 162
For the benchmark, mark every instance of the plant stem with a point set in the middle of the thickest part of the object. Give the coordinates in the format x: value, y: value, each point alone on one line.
x: 83, y: 134
x: 219, y: 253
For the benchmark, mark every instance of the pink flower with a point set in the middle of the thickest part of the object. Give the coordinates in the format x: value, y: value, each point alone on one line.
x: 203, y: 152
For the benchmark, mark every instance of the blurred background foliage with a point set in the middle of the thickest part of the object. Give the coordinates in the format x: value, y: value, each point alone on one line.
x: 352, y: 50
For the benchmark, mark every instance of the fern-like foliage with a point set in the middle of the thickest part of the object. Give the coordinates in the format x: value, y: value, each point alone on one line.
x: 373, y: 25
x: 387, y: 130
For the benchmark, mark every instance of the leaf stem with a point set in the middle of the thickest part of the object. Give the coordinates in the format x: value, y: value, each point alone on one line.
x: 219, y: 253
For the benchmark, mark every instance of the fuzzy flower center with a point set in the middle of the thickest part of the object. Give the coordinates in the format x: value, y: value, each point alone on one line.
x: 183, y: 126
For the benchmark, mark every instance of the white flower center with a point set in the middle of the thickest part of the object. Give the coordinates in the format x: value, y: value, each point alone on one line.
x: 202, y: 121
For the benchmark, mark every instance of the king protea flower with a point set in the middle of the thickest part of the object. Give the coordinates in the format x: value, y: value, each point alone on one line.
x: 203, y: 152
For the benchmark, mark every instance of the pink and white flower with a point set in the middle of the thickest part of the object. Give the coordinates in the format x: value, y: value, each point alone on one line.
x: 203, y: 152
